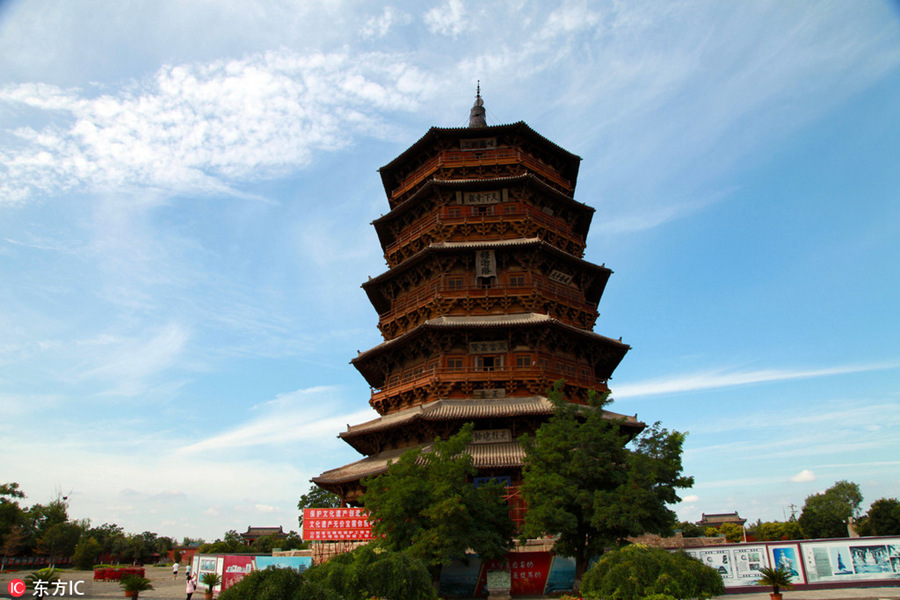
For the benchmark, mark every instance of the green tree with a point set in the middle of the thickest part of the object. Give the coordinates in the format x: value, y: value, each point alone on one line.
x: 689, y: 530
x: 732, y: 531
x: 827, y: 515
x: 87, y: 550
x: 883, y: 518
x: 585, y: 485
x: 232, y: 542
x: 316, y: 497
x: 12, y: 519
x: 778, y: 530
x: 372, y: 572
x: 60, y: 539
x: 426, y: 504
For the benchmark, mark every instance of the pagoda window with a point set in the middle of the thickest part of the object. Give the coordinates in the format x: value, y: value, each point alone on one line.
x: 454, y: 283
x: 483, y: 211
x: 455, y: 363
x: 517, y: 280
x: 486, y: 282
x: 454, y: 212
x: 523, y: 361
x: 488, y: 363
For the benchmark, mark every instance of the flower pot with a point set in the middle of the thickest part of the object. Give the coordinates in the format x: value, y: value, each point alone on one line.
x: 775, y: 595
x: 207, y: 595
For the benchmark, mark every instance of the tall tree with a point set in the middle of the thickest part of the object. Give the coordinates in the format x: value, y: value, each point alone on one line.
x: 427, y: 504
x: 12, y: 517
x: 883, y: 518
x: 316, y: 497
x: 827, y: 515
x: 587, y: 484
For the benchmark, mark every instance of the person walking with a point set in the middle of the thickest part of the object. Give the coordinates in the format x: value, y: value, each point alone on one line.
x: 190, y: 587
x: 175, y: 570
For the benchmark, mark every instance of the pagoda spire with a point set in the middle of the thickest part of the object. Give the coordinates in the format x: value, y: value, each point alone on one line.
x: 476, y: 115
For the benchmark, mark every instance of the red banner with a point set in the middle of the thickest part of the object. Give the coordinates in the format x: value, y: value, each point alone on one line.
x: 336, y: 524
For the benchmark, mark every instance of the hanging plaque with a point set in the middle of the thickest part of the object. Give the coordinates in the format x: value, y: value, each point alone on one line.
x: 491, y: 436
x: 478, y: 144
x: 485, y: 263
x: 560, y: 277
x: 489, y: 347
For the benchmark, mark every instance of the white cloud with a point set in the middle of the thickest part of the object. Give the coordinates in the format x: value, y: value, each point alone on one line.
x: 201, y: 128
x: 722, y: 378
x: 690, y: 498
x: 804, y: 476
x: 303, y: 415
x: 448, y: 19
x: 378, y: 27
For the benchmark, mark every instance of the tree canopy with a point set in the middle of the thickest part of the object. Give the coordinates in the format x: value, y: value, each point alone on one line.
x: 426, y: 504
x: 883, y: 518
x: 587, y: 483
x: 316, y: 497
x: 827, y: 515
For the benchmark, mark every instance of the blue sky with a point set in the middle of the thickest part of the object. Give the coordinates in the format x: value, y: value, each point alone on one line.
x: 186, y: 192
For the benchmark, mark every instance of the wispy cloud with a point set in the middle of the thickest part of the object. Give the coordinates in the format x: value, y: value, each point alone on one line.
x: 293, y: 417
x: 448, y: 19
x: 722, y: 378
x: 200, y: 128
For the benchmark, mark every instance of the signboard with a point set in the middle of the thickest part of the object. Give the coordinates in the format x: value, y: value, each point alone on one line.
x: 857, y: 559
x: 491, y: 436
x: 336, y: 524
x: 482, y: 198
x: 499, y: 346
x: 485, y: 263
x: 560, y: 277
x: 738, y: 565
x: 478, y: 144
x: 235, y: 568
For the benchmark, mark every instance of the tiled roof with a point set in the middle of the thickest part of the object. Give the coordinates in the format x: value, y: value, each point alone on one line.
x: 506, y: 454
x: 448, y: 410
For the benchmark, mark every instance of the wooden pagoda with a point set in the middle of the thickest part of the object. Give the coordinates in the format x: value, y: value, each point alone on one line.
x: 486, y: 302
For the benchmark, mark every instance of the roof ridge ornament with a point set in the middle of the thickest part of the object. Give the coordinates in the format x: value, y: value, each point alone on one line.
x: 476, y: 115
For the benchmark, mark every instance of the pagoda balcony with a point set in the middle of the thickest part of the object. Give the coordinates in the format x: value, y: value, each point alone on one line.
x: 456, y: 159
x: 503, y: 213
x: 425, y: 295
x: 443, y: 379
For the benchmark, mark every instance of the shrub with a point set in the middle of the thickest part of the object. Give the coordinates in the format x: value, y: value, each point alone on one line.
x: 367, y: 572
x: 635, y: 572
x: 276, y: 583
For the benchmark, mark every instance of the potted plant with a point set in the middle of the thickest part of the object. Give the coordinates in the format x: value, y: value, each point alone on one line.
x: 778, y: 578
x: 41, y: 581
x: 133, y: 585
x: 210, y: 580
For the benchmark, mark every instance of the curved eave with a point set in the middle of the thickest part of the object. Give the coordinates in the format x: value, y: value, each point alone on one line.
x: 464, y: 411
x: 389, y: 181
x: 382, y: 304
x: 582, y: 227
x: 484, y: 456
x: 375, y: 378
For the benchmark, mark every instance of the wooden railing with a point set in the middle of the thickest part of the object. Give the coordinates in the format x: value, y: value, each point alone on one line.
x: 503, y: 212
x: 494, y: 375
x: 422, y: 295
x: 462, y: 158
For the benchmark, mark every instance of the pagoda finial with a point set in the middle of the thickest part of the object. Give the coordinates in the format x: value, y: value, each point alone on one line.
x: 476, y: 115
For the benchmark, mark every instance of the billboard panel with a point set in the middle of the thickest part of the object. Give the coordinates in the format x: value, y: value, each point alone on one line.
x: 336, y: 524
